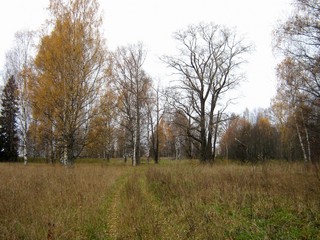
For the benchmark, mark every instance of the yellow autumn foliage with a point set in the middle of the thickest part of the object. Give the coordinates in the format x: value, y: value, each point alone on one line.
x: 69, y: 70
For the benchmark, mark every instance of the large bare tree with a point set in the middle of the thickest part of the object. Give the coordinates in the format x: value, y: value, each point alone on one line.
x: 207, y: 63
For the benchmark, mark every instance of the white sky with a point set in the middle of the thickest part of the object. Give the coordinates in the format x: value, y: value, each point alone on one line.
x: 153, y: 22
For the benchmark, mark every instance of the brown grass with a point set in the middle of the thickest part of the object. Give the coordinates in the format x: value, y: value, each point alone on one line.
x: 267, y: 201
x: 52, y: 202
x: 174, y: 200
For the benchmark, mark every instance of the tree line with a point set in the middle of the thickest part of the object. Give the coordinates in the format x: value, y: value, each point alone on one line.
x: 68, y: 96
x: 290, y: 128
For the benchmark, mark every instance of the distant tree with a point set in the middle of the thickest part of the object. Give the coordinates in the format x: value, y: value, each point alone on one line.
x: 236, y: 139
x: 154, y: 114
x: 101, y: 137
x: 165, y: 138
x: 249, y: 141
x: 264, y: 139
x: 208, y: 62
x: 8, y: 122
x: 184, y: 145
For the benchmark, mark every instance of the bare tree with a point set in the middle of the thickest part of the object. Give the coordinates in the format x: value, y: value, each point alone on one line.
x: 298, y: 40
x: 290, y: 76
x: 132, y: 85
x: 155, y: 111
x: 208, y: 61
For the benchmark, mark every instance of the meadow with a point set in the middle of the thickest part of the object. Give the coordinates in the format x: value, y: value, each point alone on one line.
x: 172, y: 200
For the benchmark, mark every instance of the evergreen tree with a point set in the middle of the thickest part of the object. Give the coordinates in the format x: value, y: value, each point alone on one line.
x: 8, y: 126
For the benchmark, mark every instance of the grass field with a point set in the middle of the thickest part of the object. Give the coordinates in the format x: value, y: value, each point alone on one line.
x: 173, y: 200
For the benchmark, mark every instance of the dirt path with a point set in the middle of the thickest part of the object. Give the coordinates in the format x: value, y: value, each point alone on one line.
x: 112, y: 207
x: 134, y: 212
x: 161, y: 221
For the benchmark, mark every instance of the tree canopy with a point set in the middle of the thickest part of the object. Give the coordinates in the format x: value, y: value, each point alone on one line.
x: 69, y: 71
x: 73, y: 97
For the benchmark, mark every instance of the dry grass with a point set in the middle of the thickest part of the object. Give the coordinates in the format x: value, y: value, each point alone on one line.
x: 175, y: 200
x: 52, y: 202
x: 269, y: 201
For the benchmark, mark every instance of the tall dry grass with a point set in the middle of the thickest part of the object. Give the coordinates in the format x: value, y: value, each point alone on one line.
x: 266, y: 201
x: 175, y: 200
x: 41, y: 201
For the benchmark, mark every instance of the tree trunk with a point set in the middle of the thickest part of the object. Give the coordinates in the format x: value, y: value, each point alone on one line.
x: 215, y: 136
x: 24, y: 153
x: 24, y: 136
x: 64, y: 159
x: 301, y: 143
x: 134, y: 154
x: 227, y: 151
x: 136, y: 141
x: 307, y: 138
x: 156, y: 157
x: 203, y: 137
x: 209, y: 147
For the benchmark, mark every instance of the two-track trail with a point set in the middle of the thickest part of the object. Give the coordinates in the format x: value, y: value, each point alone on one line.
x: 133, y: 212
x: 112, y: 205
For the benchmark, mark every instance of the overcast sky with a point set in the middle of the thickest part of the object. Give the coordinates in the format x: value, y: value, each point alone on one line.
x: 153, y: 22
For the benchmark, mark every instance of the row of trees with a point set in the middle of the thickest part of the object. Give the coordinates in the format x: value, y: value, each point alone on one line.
x: 76, y: 98
x: 293, y: 128
x: 297, y: 104
x: 254, y: 137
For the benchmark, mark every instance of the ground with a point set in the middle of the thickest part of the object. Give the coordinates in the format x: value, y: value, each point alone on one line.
x: 172, y: 200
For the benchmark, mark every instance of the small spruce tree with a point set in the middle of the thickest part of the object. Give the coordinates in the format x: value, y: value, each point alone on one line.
x: 8, y: 126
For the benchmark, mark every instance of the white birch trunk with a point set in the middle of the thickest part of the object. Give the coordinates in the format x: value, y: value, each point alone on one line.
x: 308, y: 143
x: 24, y: 153
x: 301, y: 143
x: 24, y: 121
x: 134, y: 155
x: 64, y: 159
x: 307, y: 139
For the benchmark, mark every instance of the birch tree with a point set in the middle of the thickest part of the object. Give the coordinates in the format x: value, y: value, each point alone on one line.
x: 101, y: 139
x: 289, y: 74
x: 19, y: 63
x: 132, y: 85
x: 207, y: 66
x: 298, y: 40
x: 70, y: 66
